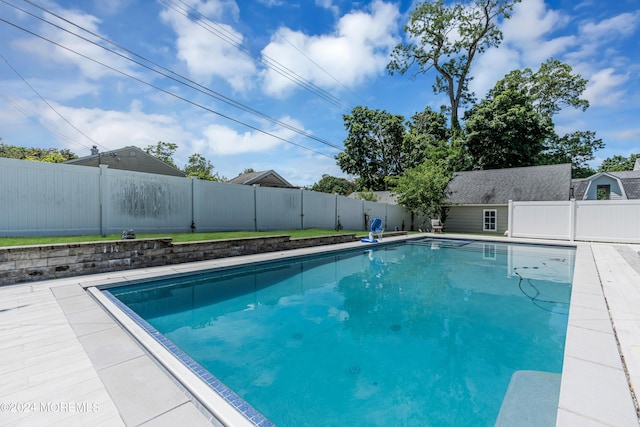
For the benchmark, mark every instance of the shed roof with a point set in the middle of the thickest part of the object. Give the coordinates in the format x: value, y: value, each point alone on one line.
x: 498, y: 186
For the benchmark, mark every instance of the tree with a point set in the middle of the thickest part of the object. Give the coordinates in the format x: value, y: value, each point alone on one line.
x: 367, y: 195
x: 447, y: 39
x: 421, y: 189
x: 200, y: 168
x: 576, y: 148
x: 373, y: 147
x: 49, y: 155
x: 334, y: 185
x: 618, y: 163
x: 550, y: 88
x: 505, y: 131
x: 546, y: 91
x: 163, y: 151
x: 427, y: 137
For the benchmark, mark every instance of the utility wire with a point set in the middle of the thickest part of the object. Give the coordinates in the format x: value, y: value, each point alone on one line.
x: 163, y: 90
x: 217, y: 29
x: 198, y: 87
x: 318, y: 65
x: 334, y: 78
x: 19, y: 108
x: 48, y: 104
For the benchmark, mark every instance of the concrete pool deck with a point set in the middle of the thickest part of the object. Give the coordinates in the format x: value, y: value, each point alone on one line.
x: 65, y: 361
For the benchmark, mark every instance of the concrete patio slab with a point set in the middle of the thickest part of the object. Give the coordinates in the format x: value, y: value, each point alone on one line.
x: 59, y: 347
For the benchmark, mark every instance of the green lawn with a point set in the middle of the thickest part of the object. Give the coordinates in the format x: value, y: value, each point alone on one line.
x: 177, y: 237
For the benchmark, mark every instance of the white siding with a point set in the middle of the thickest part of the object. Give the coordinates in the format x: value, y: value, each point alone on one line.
x: 616, y: 190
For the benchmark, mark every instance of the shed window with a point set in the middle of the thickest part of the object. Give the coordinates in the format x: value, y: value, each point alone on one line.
x: 490, y: 220
x: 604, y: 192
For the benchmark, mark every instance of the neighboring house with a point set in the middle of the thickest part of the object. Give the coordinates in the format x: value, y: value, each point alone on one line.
x: 623, y: 185
x: 127, y: 158
x: 264, y: 179
x: 478, y: 201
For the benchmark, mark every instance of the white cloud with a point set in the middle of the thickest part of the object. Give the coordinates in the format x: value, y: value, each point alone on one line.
x: 209, y: 48
x: 604, y: 87
x: 621, y: 25
x: 112, y: 129
x: 358, y: 49
x: 328, y: 4
x: 604, y: 36
x: 221, y: 140
x: 531, y: 20
x: 110, y: 7
x: 491, y: 67
x: 48, y: 53
x: 528, y: 31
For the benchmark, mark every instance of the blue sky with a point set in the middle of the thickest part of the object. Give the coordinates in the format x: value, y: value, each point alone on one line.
x: 298, y: 64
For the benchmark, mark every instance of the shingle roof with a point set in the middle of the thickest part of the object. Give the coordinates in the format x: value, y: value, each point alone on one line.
x: 128, y: 158
x: 498, y: 186
x: 630, y: 181
x: 267, y: 178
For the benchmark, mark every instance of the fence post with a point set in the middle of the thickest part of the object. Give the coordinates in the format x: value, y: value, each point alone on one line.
x: 510, y: 219
x: 572, y: 220
x: 255, y: 208
x: 302, y: 208
x: 336, y: 215
x: 193, y: 205
x: 102, y: 189
x: 386, y: 214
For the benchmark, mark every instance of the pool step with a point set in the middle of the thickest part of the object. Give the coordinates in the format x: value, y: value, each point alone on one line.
x: 531, y: 400
x: 445, y: 243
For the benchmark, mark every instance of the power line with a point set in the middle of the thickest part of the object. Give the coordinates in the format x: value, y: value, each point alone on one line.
x: 198, y: 87
x: 48, y: 104
x: 317, y: 65
x: 17, y: 106
x: 163, y: 90
x: 216, y: 29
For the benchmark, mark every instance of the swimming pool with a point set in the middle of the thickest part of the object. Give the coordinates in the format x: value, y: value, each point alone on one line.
x: 426, y: 333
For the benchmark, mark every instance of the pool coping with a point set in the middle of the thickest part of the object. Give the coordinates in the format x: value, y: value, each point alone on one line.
x: 601, y: 363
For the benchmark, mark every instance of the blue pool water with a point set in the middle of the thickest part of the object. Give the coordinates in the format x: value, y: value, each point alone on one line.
x: 427, y: 333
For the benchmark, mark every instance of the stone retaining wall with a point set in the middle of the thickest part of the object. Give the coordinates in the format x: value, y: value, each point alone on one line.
x: 30, y: 263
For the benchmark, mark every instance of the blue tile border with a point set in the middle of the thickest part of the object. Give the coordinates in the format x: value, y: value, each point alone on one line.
x: 249, y: 412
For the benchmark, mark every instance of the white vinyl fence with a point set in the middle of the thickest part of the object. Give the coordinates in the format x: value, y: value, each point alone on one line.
x: 40, y: 199
x: 588, y: 220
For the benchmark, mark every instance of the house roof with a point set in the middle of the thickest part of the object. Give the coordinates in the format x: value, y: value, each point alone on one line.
x: 264, y: 178
x: 498, y: 186
x: 629, y: 180
x: 128, y: 158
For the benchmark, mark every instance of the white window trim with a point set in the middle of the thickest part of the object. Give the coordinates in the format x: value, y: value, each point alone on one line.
x: 484, y: 217
x: 489, y: 251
